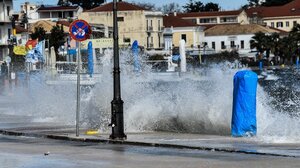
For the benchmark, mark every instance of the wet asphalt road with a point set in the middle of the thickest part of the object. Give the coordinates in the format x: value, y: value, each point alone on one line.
x: 25, y: 152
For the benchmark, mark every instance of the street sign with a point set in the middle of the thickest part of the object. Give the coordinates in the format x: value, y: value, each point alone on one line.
x: 80, y: 30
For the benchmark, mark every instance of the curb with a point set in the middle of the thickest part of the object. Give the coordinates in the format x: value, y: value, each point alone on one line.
x: 136, y: 143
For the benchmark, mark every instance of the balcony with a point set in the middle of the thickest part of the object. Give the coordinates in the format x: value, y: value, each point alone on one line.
x: 149, y: 28
x: 160, y: 29
x: 151, y: 45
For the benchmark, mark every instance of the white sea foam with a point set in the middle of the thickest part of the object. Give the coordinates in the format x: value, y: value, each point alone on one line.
x: 200, y: 102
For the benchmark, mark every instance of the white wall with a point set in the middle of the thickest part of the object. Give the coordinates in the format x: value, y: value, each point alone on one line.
x: 236, y: 38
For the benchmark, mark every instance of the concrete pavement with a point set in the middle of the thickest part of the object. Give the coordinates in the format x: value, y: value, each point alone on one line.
x: 163, y: 139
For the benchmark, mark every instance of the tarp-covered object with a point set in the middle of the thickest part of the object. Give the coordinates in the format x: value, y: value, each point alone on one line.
x: 135, y: 52
x: 90, y: 59
x: 244, y: 104
x: 20, y: 50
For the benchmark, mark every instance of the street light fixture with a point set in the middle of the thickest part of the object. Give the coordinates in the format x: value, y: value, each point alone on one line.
x: 117, y: 118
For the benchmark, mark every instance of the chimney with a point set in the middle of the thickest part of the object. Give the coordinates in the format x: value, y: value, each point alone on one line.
x: 175, y: 13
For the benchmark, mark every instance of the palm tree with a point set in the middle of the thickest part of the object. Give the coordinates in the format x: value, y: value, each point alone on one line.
x: 294, y: 36
x: 258, y: 41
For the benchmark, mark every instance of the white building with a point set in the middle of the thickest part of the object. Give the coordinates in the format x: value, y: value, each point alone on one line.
x: 234, y: 37
x: 6, y: 10
x: 31, y: 11
x: 56, y: 13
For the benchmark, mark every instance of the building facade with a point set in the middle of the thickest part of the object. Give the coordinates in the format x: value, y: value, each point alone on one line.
x: 31, y: 11
x: 281, y: 17
x: 6, y: 9
x: 234, y: 37
x: 134, y: 23
x: 216, y: 17
x: 176, y: 29
x: 56, y: 13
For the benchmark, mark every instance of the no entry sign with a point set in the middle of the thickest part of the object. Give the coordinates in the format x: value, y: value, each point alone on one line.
x: 80, y: 30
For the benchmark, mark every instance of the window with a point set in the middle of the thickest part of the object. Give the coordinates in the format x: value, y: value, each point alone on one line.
x: 159, y: 28
x: 126, y: 40
x: 9, y: 33
x: 8, y: 10
x: 294, y: 23
x: 147, y: 24
x: 71, y: 14
x: 232, y: 45
x: 242, y: 44
x: 60, y: 14
x: 120, y: 19
x: 183, y: 37
x: 213, y: 45
x: 151, y: 44
x: 208, y: 20
x: 228, y: 19
x: 223, y: 45
x: 272, y: 24
x: 279, y: 24
x: 287, y: 24
x: 194, y: 21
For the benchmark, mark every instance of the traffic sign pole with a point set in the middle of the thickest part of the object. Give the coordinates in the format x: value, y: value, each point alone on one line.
x: 79, y: 30
x: 78, y: 89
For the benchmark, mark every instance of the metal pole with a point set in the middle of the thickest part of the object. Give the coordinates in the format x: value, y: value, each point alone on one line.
x: 117, y: 119
x: 78, y: 90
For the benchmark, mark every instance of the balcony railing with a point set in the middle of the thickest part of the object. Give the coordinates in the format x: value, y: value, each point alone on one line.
x: 160, y: 29
x: 150, y: 45
x: 150, y: 28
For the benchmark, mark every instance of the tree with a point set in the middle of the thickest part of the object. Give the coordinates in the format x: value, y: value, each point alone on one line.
x: 275, y: 2
x: 85, y: 4
x: 252, y: 3
x: 39, y: 33
x: 147, y: 6
x: 258, y: 42
x: 211, y: 7
x: 193, y: 6
x: 294, y: 41
x: 56, y: 38
x: 171, y: 8
x: 63, y: 3
x: 198, y: 6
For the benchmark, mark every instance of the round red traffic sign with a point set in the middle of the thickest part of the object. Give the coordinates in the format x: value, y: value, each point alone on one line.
x: 80, y: 30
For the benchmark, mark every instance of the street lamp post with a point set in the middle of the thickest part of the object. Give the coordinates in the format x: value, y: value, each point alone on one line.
x: 117, y: 118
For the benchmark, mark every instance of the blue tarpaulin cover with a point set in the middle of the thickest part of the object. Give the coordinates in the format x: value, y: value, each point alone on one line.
x: 90, y: 59
x: 243, y: 121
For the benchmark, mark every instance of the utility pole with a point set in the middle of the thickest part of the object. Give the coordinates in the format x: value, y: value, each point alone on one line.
x: 117, y: 118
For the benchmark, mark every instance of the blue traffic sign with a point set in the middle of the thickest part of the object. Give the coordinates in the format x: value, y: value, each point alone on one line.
x: 80, y: 30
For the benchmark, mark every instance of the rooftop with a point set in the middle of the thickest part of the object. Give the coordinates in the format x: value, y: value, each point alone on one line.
x: 290, y: 9
x: 210, y: 14
x: 174, y: 21
x: 57, y: 8
x: 122, y: 6
x: 237, y: 29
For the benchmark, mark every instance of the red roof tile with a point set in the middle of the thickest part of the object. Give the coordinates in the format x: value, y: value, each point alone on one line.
x: 237, y: 29
x: 64, y: 22
x: 214, y: 13
x: 122, y: 6
x: 175, y: 21
x: 290, y: 9
x: 20, y: 29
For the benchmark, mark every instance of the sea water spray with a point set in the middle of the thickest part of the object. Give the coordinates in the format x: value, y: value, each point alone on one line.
x: 199, y: 102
